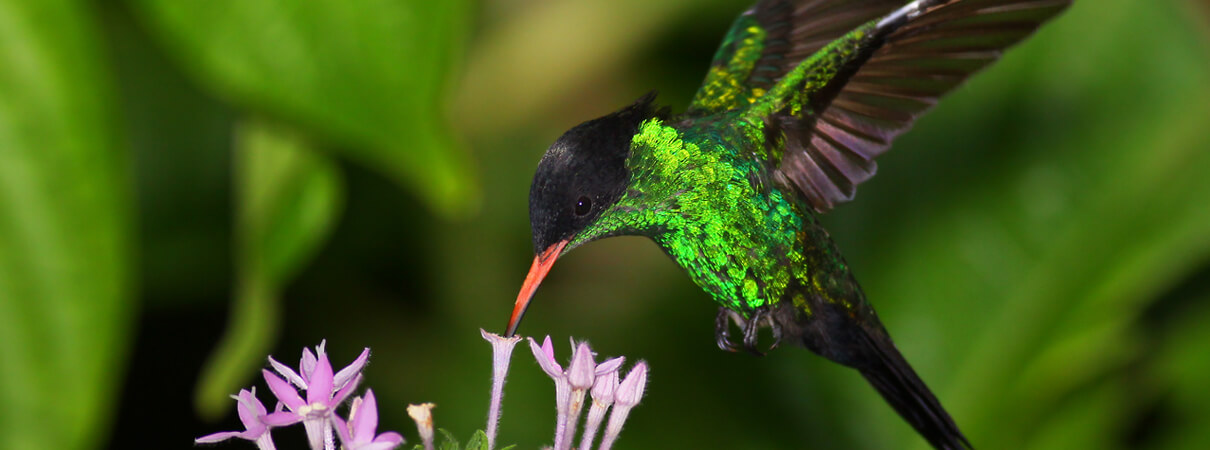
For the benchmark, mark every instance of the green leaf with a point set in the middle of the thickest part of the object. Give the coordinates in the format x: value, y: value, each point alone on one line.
x: 448, y: 442
x: 368, y: 75
x: 478, y: 441
x: 66, y: 231
x: 288, y: 198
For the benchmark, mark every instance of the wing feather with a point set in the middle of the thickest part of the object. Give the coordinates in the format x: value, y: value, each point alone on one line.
x: 830, y: 149
x: 772, y: 38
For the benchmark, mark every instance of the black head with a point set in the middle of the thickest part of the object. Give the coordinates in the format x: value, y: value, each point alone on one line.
x: 583, y: 173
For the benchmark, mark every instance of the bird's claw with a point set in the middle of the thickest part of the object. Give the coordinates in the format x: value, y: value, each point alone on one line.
x: 722, y: 330
x: 751, y: 330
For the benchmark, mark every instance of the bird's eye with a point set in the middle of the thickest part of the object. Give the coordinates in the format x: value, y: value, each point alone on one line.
x: 583, y: 206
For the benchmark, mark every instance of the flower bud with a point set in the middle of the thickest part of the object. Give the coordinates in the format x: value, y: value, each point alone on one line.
x: 630, y: 391
x: 582, y: 371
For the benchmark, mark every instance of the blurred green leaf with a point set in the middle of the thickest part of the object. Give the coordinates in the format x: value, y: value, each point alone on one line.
x: 1182, y: 361
x: 65, y: 231
x: 288, y: 198
x: 562, y: 46
x: 369, y: 75
x: 449, y: 442
x: 478, y: 441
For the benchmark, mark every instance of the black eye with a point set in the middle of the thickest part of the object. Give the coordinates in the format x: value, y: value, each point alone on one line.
x: 583, y: 206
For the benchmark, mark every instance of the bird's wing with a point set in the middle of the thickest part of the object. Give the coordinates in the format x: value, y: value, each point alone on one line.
x: 772, y: 38
x: 826, y: 120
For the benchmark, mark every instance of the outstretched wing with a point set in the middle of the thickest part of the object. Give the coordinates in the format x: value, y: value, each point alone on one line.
x: 828, y: 129
x: 772, y: 38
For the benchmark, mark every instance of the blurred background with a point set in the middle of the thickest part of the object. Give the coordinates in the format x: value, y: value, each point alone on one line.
x: 187, y: 186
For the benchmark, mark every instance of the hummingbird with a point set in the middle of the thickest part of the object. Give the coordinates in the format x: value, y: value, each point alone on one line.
x: 799, y: 100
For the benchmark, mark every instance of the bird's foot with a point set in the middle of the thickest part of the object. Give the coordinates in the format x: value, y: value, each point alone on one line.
x: 777, y: 334
x: 750, y: 327
x: 752, y: 331
x: 722, y: 329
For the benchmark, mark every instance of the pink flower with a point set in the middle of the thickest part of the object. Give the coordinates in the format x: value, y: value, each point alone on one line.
x: 360, y: 433
x: 323, y: 394
x: 571, y: 385
x: 252, y: 413
x: 502, y: 353
x: 307, y: 365
x: 627, y: 395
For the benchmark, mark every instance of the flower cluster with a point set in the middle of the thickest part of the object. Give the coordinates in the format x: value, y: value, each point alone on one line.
x: 582, y: 377
x: 325, y: 391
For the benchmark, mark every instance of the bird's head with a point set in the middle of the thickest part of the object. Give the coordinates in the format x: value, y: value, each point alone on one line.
x: 581, y: 175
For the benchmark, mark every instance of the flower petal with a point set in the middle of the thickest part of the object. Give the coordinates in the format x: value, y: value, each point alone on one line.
x: 247, y: 413
x: 610, y: 365
x: 319, y: 385
x: 604, y: 388
x: 282, y: 390
x: 365, y: 420
x: 287, y: 372
x: 344, y: 392
x: 582, y: 369
x: 384, y: 445
x: 389, y: 437
x: 281, y: 419
x: 216, y: 437
x: 257, y: 405
x: 306, y: 365
x: 344, y: 375
x: 548, y: 348
x: 545, y: 356
x: 630, y: 391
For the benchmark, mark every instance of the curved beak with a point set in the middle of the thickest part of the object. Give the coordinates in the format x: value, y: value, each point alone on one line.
x: 542, y: 264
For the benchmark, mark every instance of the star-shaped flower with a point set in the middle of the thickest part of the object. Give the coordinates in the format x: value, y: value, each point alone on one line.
x: 308, y: 362
x: 570, y: 385
x: 360, y: 433
x: 252, y: 413
x: 322, y: 395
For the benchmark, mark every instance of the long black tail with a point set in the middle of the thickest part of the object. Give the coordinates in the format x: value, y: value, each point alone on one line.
x: 852, y: 335
x: 891, y: 375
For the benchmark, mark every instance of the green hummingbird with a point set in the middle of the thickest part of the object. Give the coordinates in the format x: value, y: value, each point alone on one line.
x: 799, y: 100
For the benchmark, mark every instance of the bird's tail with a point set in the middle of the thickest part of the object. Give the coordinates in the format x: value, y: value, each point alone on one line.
x: 891, y: 375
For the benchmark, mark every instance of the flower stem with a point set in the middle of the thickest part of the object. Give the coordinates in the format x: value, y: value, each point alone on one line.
x: 596, y: 414
x: 493, y: 414
x: 264, y: 442
x: 563, y: 406
x: 573, y: 417
x: 616, y: 419
x: 502, y: 350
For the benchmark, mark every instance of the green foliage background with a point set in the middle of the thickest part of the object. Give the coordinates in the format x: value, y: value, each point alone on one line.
x: 186, y: 186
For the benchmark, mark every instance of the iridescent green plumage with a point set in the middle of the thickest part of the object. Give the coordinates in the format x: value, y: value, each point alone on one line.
x: 800, y: 99
x: 708, y: 206
x: 708, y: 197
x: 725, y: 88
